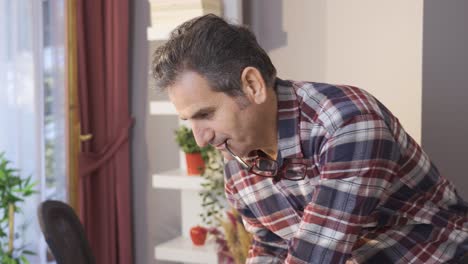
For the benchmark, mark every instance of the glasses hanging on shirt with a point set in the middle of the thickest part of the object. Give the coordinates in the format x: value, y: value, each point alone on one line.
x: 267, y: 167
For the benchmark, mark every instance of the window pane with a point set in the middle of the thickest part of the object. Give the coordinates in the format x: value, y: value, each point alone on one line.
x: 55, y: 125
x: 33, y: 106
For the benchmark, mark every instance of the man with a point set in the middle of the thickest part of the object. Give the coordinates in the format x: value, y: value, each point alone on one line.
x: 320, y: 173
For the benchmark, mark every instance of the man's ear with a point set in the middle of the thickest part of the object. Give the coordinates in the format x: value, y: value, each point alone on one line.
x: 253, y: 85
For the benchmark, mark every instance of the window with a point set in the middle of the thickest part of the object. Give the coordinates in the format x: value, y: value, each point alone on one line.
x: 33, y: 113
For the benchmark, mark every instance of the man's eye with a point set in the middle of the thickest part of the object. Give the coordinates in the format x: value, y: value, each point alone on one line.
x: 204, y: 115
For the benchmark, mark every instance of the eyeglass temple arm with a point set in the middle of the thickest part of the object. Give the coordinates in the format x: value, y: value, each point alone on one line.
x: 243, y: 163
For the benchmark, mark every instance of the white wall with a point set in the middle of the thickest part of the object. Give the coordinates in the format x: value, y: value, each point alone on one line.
x: 154, y: 219
x: 293, y: 35
x: 375, y: 45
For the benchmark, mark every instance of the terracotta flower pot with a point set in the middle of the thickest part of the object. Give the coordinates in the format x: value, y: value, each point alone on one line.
x: 195, y: 163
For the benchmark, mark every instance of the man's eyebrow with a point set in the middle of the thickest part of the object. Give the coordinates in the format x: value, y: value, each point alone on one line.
x: 200, y: 112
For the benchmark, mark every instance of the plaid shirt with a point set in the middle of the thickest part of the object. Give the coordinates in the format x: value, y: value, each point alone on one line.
x: 370, y: 195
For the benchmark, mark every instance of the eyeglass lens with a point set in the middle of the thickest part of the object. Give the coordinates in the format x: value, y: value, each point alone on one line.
x: 269, y: 168
x: 265, y: 167
x: 295, y: 171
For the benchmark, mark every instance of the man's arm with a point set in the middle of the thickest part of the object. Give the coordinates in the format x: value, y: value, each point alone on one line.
x: 358, y: 164
x: 267, y: 247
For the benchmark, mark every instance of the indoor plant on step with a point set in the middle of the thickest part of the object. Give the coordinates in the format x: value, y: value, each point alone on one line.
x: 194, y: 155
x: 13, y: 190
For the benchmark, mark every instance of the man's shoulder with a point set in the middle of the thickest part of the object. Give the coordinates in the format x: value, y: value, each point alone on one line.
x: 331, y: 105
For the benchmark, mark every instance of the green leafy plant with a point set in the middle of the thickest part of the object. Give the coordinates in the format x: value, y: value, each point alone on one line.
x: 224, y: 224
x: 212, y: 193
x: 13, y: 191
x: 186, y: 140
x: 213, y: 197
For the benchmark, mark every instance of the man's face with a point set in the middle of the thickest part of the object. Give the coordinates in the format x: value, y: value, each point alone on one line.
x: 215, y: 117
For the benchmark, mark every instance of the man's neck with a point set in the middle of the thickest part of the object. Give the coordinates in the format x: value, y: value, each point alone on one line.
x: 272, y: 153
x: 272, y: 145
x: 271, y: 126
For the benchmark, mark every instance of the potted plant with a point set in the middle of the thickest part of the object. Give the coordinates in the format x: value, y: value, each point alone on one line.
x: 212, y: 193
x: 13, y: 190
x: 226, y: 226
x: 194, y: 155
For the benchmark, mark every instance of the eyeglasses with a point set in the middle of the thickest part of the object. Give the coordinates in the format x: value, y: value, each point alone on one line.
x: 266, y: 167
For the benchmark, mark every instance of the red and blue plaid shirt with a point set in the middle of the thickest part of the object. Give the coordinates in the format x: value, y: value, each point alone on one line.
x: 370, y: 195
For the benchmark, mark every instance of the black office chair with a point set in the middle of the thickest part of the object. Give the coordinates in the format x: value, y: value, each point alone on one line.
x: 64, y: 233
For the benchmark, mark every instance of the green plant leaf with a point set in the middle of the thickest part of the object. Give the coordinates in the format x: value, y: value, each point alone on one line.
x: 24, y: 260
x: 186, y: 140
x: 13, y: 190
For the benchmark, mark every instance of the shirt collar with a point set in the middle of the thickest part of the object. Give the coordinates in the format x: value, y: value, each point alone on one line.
x: 289, y: 141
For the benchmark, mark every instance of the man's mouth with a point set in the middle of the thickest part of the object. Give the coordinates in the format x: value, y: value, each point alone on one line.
x: 220, y: 146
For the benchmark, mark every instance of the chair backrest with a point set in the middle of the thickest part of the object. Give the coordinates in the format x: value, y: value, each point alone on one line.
x: 64, y: 233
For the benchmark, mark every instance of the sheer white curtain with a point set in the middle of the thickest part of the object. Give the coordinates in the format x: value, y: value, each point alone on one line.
x: 32, y: 112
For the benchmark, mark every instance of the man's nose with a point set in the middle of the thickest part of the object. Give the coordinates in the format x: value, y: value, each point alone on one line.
x: 203, y: 136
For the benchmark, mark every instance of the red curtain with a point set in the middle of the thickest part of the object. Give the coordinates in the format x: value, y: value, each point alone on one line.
x: 104, y: 162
